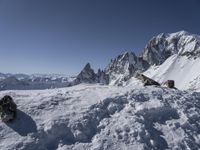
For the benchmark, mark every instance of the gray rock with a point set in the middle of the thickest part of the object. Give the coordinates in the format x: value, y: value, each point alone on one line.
x: 102, y: 77
x: 170, y: 83
x: 146, y: 80
x: 87, y: 75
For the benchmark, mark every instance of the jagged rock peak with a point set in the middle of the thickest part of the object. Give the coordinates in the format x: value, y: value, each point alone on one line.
x: 87, y: 66
x: 124, y: 67
x: 87, y: 75
x: 127, y: 56
x: 121, y: 63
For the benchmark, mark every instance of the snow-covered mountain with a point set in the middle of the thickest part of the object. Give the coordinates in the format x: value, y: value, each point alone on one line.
x: 124, y: 67
x: 174, y: 56
x: 182, y: 63
x: 164, y: 45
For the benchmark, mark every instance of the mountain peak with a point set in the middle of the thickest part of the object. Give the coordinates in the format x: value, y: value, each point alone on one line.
x: 87, y: 66
x: 162, y: 46
x: 128, y: 54
x: 87, y: 75
x: 182, y: 32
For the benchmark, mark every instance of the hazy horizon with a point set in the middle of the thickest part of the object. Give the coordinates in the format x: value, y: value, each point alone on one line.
x: 60, y: 37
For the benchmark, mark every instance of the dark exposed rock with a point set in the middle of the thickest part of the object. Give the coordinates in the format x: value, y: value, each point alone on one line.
x: 87, y: 75
x: 102, y: 77
x: 7, y: 109
x: 146, y: 80
x: 156, y: 51
x: 170, y: 83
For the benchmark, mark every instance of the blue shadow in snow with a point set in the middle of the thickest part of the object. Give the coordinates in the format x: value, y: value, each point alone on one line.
x: 23, y: 124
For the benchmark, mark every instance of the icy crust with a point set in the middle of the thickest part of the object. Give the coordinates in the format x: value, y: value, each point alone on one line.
x: 104, y: 117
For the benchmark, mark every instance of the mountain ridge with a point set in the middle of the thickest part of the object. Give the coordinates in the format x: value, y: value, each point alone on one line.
x: 126, y: 66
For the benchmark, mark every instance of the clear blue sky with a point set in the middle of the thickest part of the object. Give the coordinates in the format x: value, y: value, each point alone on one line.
x: 61, y: 36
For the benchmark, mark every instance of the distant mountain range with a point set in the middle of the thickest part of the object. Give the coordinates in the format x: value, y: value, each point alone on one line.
x: 174, y: 56
x: 36, y: 81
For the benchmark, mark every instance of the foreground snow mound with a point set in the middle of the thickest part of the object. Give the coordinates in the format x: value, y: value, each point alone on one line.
x: 103, y: 117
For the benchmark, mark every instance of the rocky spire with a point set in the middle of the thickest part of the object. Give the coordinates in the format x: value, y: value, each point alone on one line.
x: 87, y: 75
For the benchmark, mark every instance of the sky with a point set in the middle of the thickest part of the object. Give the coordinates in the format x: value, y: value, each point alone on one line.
x: 61, y: 36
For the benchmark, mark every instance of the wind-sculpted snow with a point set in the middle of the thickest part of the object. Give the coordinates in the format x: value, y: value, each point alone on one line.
x: 103, y: 118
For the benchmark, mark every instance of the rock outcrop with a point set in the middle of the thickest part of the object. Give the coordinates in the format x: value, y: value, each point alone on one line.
x: 170, y: 83
x: 147, y: 81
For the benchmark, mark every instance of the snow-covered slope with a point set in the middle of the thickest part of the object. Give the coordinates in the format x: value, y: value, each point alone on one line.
x: 183, y: 70
x: 175, y: 53
x: 96, y: 117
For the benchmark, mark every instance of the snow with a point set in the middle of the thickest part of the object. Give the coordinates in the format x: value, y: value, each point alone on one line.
x: 99, y: 117
x: 183, y: 70
x: 187, y: 42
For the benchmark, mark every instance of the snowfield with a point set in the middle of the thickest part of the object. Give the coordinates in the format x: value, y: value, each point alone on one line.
x: 184, y: 71
x: 98, y: 117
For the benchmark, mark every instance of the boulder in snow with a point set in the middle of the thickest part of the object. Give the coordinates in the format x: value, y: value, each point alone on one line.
x: 7, y: 109
x: 170, y: 83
